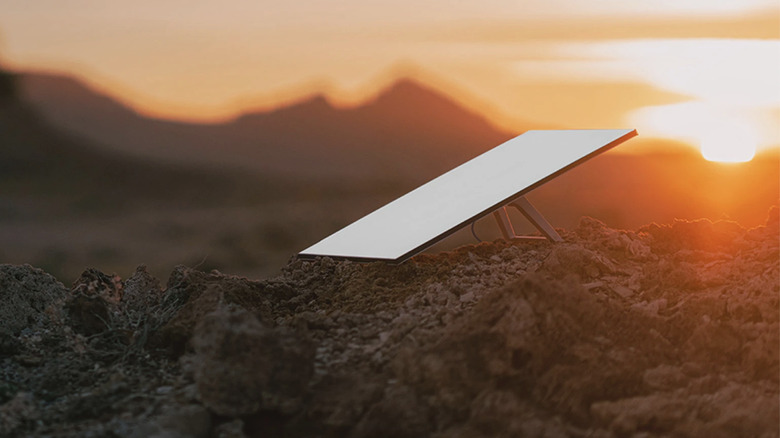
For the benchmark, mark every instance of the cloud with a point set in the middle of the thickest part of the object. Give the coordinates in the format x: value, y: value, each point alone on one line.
x: 753, y: 26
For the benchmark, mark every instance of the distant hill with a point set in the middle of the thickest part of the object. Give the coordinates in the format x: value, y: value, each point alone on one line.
x: 85, y: 181
x: 7, y: 86
x: 40, y: 163
x: 70, y: 104
x: 407, y: 130
x: 403, y: 136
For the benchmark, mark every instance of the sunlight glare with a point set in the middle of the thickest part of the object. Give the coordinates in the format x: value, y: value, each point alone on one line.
x: 721, y: 135
x: 730, y: 142
x: 725, y: 71
x: 732, y: 85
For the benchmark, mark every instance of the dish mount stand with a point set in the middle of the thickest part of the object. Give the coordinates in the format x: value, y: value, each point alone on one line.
x: 532, y: 214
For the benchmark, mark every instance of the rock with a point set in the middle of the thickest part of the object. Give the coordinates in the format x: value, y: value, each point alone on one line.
x: 188, y: 421
x: 93, y: 283
x: 467, y: 297
x: 242, y: 366
x: 703, y: 234
x: 595, y: 230
x: 491, y: 409
x: 714, y: 343
x: 621, y: 290
x: 664, y: 377
x: 92, y: 304
x: 572, y: 259
x: 760, y: 355
x: 731, y: 411
x: 9, y: 344
x: 657, y: 413
x: 141, y: 291
x: 28, y: 297
x: 400, y: 414
x: 88, y: 315
x: 15, y: 413
x: 339, y: 402
x: 638, y: 249
x: 191, y: 295
x: 231, y: 429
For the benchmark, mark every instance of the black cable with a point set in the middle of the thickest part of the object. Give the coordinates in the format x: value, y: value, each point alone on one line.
x: 474, y: 233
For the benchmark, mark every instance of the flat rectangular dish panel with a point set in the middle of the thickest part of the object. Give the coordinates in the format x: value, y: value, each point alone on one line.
x: 441, y: 206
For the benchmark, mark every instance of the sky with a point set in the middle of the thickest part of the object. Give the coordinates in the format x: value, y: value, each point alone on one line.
x: 698, y: 71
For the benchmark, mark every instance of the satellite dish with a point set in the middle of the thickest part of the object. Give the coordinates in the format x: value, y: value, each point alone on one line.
x: 486, y: 184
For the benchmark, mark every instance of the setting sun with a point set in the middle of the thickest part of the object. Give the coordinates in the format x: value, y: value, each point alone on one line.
x: 730, y: 142
x: 720, y: 133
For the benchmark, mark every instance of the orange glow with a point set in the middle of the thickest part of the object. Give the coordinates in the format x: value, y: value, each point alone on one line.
x: 536, y: 64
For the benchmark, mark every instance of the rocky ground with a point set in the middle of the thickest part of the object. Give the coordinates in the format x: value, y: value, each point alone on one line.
x: 670, y: 330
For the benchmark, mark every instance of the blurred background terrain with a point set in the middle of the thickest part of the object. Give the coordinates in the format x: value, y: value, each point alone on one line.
x: 232, y: 135
x: 85, y: 180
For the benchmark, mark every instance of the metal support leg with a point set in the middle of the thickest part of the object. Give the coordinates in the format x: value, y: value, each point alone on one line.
x: 536, y: 218
x: 533, y: 216
x: 504, y: 224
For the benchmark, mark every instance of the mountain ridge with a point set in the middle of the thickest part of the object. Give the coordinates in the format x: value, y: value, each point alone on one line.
x: 299, y: 189
x: 404, y: 128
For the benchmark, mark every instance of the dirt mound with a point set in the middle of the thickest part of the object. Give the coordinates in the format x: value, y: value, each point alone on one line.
x: 670, y: 330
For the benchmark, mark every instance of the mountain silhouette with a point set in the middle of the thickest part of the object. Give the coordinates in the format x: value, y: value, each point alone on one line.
x: 406, y: 134
x: 407, y: 130
x: 313, y: 107
x: 393, y: 106
x: 87, y: 181
x: 7, y: 87
x: 42, y: 164
x: 71, y: 105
